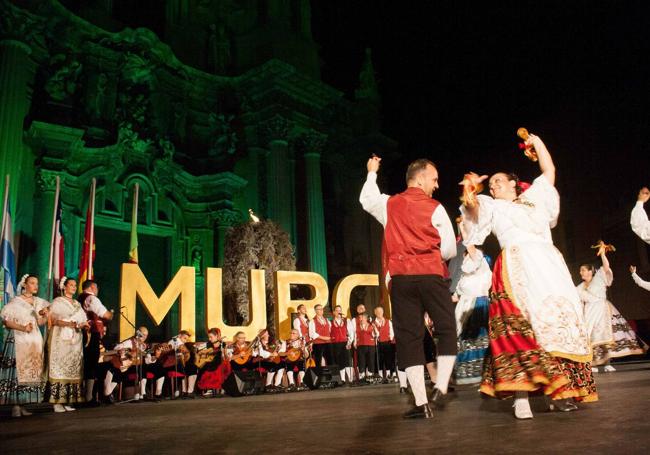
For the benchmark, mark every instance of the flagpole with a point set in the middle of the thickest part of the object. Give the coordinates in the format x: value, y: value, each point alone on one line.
x: 56, y: 207
x: 91, y: 245
x: 4, y: 207
x: 134, y: 217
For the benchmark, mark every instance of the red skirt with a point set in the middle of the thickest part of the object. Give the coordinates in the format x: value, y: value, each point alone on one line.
x: 214, y: 379
x: 517, y: 363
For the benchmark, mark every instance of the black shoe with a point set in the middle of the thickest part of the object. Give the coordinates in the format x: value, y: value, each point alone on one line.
x: 439, y: 399
x: 563, y: 405
x: 157, y: 398
x: 384, y: 381
x: 403, y: 390
x: 188, y: 396
x: 108, y: 399
x: 419, y: 412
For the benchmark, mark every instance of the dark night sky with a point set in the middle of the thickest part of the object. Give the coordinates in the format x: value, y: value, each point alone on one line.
x: 457, y: 79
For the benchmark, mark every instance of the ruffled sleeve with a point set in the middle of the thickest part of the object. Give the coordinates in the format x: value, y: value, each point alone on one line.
x: 13, y: 312
x: 605, y: 277
x: 477, y: 231
x: 546, y: 199
x: 472, y: 265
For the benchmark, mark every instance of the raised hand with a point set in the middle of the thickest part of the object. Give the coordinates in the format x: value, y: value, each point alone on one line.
x: 632, y: 269
x: 373, y: 163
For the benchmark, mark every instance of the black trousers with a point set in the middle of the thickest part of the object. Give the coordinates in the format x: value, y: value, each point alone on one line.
x: 429, y: 346
x: 91, y: 355
x: 366, y: 358
x: 341, y: 355
x: 411, y: 296
x: 322, y: 350
x: 386, y: 357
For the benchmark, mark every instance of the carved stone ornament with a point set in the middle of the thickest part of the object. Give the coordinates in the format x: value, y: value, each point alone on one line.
x: 227, y: 217
x: 310, y: 142
x: 46, y: 180
x: 276, y: 128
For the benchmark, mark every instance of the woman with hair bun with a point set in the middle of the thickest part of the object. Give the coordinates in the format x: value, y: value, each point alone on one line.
x: 610, y: 334
x: 68, y: 319
x: 21, y: 371
x: 538, y: 337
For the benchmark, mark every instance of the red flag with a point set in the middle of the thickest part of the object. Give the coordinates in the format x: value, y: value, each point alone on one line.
x: 88, y: 247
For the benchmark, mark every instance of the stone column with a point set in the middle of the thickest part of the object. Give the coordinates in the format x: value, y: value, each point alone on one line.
x: 42, y: 226
x: 275, y: 132
x: 14, y: 106
x: 312, y: 144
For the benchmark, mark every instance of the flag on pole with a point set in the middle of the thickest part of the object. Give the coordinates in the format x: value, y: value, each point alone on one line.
x: 56, y: 268
x: 7, y: 252
x: 88, y: 247
x: 133, y: 248
x: 58, y: 256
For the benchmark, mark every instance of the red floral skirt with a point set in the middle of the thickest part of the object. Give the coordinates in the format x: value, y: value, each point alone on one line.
x: 517, y: 363
x: 215, y: 378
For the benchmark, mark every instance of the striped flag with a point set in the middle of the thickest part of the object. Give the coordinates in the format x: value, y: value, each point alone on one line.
x: 7, y: 252
x: 133, y: 247
x: 58, y: 256
x: 88, y: 247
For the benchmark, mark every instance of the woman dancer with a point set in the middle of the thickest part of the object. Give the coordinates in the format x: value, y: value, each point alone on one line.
x: 21, y: 371
x: 65, y: 348
x: 538, y: 338
x: 472, y: 304
x: 610, y: 334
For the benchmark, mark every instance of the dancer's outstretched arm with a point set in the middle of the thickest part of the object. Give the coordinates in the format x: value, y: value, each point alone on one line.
x: 544, y: 157
x: 641, y: 283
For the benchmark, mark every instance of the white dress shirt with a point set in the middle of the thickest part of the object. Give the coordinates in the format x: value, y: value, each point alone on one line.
x: 639, y: 222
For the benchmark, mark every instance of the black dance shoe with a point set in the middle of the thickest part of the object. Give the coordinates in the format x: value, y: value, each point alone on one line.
x: 403, y: 390
x: 563, y: 405
x: 439, y: 399
x: 419, y: 412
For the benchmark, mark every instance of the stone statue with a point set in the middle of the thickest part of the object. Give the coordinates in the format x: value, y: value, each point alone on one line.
x: 218, y: 48
x: 96, y: 105
x: 167, y: 150
x: 197, y: 260
x: 222, y: 138
x: 368, y: 88
x: 63, y: 83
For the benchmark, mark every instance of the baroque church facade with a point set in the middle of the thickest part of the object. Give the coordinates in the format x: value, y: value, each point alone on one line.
x: 213, y: 107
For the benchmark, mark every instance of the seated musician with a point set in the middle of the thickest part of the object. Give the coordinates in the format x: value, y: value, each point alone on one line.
x: 294, y: 360
x: 128, y: 353
x: 184, y: 362
x: 212, y: 369
x: 240, y: 353
x: 366, y: 350
x: 174, y: 356
x: 268, y: 358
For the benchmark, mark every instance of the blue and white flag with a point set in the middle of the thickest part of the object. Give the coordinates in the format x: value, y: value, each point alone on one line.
x: 8, y: 259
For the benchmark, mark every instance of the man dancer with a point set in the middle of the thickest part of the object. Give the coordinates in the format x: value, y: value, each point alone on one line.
x: 97, y: 314
x: 639, y: 217
x: 418, y: 238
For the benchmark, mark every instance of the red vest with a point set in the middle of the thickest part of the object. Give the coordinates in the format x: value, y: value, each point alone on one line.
x: 411, y: 244
x: 339, y: 334
x: 384, y: 330
x: 322, y: 330
x: 304, y: 329
x: 364, y: 337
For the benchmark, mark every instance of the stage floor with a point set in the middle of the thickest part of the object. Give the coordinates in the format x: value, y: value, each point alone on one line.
x: 344, y: 420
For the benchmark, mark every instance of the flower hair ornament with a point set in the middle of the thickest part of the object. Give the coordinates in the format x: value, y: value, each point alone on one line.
x: 523, y: 186
x: 21, y: 283
x: 62, y: 283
